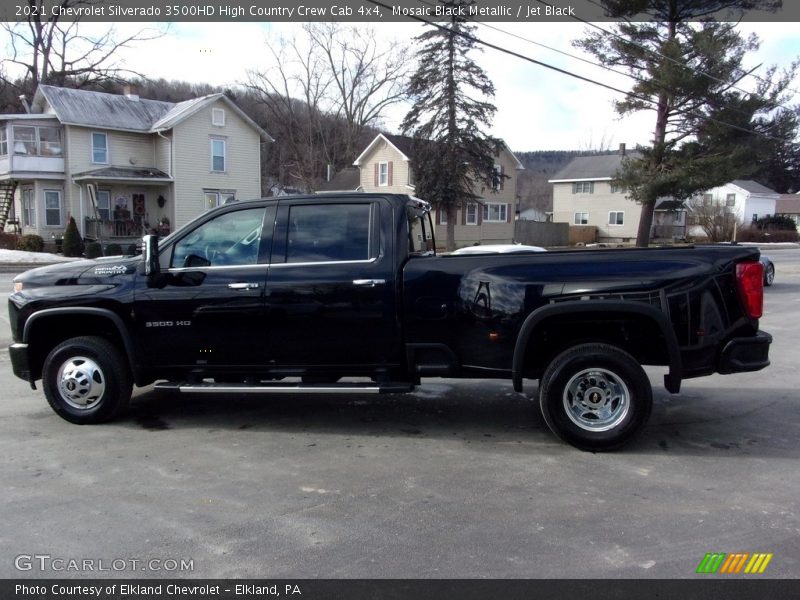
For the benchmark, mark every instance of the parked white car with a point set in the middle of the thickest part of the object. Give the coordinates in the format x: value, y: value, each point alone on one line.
x: 499, y: 249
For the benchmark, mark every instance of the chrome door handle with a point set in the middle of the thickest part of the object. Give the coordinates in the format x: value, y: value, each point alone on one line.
x: 243, y: 286
x: 368, y: 282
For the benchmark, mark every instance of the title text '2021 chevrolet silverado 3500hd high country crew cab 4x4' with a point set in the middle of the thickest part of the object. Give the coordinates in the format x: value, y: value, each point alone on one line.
x: 301, y: 294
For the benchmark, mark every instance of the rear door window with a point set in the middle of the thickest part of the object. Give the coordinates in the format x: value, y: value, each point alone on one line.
x: 329, y: 233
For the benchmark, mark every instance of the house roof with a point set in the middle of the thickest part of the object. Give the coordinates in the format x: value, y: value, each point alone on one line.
x: 405, y: 146
x: 348, y: 179
x: 383, y: 137
x: 595, y: 167
x: 403, y: 143
x: 98, y: 109
x: 752, y: 186
x: 183, y: 110
x: 25, y: 117
x: 122, y: 113
x: 669, y: 203
x: 123, y: 173
x: 788, y: 204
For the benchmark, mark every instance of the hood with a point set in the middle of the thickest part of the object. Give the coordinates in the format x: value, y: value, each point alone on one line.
x: 99, y: 270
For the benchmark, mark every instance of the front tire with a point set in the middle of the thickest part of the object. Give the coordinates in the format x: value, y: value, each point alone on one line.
x: 86, y: 380
x: 595, y: 396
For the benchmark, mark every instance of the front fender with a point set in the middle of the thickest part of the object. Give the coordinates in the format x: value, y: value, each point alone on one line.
x: 39, y: 319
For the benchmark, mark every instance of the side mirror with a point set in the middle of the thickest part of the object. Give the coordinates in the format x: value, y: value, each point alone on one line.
x: 150, y: 255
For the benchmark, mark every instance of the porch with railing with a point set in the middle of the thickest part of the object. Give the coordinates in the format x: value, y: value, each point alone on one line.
x: 107, y: 229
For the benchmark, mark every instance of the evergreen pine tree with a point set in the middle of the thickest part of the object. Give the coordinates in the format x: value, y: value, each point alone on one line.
x: 688, y: 69
x: 73, y: 243
x: 453, y: 156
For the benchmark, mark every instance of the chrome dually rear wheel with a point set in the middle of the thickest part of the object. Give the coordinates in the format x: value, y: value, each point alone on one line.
x: 595, y: 396
x: 596, y: 399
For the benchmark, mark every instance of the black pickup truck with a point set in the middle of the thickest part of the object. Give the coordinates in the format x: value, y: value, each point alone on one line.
x: 344, y: 293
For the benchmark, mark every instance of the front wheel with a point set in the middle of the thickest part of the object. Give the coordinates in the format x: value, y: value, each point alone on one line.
x: 595, y: 397
x: 86, y: 380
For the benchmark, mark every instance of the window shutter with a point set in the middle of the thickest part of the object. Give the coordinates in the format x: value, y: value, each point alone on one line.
x: 438, y: 216
x: 376, y: 174
x: 509, y: 217
x: 464, y: 214
x: 574, y: 187
x: 390, y: 169
x: 502, y: 178
x: 480, y: 210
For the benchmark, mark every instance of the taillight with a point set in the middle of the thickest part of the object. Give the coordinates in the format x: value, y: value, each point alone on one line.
x: 750, y: 279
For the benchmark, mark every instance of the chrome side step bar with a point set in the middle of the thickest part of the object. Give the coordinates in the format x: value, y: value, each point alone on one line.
x: 300, y: 388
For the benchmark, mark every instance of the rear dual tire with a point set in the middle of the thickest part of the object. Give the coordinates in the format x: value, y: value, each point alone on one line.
x: 595, y: 397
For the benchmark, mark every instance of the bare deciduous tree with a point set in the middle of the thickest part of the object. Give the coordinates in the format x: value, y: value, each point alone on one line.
x: 293, y: 92
x: 718, y: 221
x: 58, y: 52
x: 324, y: 90
x: 365, y: 79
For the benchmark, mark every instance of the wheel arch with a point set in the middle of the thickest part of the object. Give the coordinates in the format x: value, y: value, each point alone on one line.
x: 89, y: 321
x: 535, y: 323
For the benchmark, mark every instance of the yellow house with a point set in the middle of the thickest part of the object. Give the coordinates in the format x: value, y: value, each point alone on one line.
x: 385, y: 166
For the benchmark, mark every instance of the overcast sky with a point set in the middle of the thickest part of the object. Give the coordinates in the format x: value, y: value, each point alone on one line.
x: 537, y: 109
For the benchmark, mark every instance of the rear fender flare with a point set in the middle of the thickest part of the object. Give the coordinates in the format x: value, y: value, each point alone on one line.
x: 672, y: 380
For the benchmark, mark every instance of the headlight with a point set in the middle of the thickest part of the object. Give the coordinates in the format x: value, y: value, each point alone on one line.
x: 17, y: 286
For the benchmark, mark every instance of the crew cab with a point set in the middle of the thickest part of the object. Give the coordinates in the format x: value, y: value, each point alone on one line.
x: 345, y: 293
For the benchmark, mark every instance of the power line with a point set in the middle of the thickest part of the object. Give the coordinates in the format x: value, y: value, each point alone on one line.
x: 672, y: 60
x: 579, y: 58
x: 569, y: 73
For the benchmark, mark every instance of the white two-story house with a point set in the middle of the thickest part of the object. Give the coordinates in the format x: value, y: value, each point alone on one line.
x: 385, y: 166
x: 747, y: 200
x: 122, y: 165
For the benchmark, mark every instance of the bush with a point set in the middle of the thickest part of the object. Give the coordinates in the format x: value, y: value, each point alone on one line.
x: 113, y: 250
x: 754, y: 234
x: 31, y: 243
x: 132, y: 250
x: 776, y: 223
x: 8, y: 241
x: 93, y: 250
x: 73, y: 244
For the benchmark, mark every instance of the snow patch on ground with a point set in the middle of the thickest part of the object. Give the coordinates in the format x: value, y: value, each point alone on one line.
x: 770, y: 245
x: 22, y: 257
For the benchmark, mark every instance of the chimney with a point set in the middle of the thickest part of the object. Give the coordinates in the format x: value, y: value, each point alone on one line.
x: 25, y: 104
x: 128, y: 91
x: 622, y: 149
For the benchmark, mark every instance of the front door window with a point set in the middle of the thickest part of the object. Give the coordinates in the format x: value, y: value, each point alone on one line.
x: 230, y: 239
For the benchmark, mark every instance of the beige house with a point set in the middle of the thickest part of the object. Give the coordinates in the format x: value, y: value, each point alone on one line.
x: 788, y: 205
x: 584, y: 195
x: 122, y: 165
x: 385, y: 166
